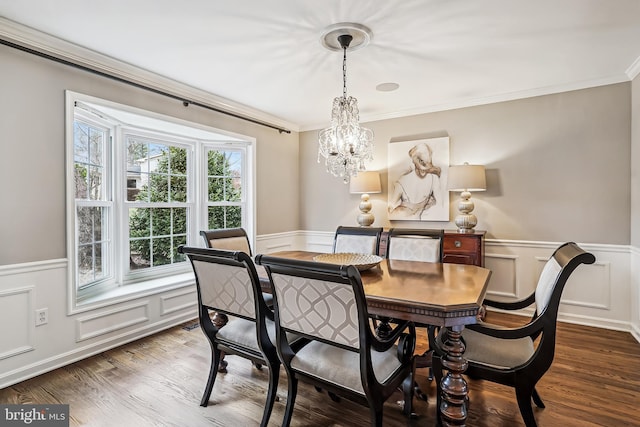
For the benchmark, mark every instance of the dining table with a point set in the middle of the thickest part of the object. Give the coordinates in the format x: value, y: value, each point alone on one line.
x: 444, y: 295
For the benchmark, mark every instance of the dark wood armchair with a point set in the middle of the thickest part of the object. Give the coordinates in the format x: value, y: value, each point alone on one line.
x: 325, y: 303
x: 519, y: 357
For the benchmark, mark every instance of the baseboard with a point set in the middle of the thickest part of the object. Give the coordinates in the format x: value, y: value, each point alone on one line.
x: 43, y: 366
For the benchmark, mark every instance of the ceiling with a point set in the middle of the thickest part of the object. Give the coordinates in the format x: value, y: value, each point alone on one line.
x: 444, y: 54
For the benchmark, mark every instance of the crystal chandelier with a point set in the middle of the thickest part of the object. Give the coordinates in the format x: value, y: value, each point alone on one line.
x: 345, y: 145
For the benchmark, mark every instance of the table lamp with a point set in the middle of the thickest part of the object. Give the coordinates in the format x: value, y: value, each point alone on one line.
x: 466, y: 178
x: 365, y: 183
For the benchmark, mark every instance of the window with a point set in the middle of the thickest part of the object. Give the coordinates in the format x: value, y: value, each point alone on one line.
x: 142, y: 185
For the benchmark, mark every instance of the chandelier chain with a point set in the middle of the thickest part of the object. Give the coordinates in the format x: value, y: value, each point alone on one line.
x: 344, y: 73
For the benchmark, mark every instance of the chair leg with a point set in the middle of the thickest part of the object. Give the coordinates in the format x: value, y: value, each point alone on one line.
x: 274, y: 376
x: 291, y: 400
x: 536, y: 398
x: 408, y: 389
x: 376, y: 416
x: 436, y: 365
x: 213, y: 371
x: 523, y: 396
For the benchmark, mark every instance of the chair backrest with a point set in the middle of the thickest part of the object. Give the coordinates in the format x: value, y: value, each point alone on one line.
x: 415, y: 244
x: 227, y: 239
x: 227, y: 282
x: 554, y: 276
x: 324, y: 302
x: 361, y: 240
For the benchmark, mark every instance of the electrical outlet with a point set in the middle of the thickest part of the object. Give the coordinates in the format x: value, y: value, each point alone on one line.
x: 42, y: 316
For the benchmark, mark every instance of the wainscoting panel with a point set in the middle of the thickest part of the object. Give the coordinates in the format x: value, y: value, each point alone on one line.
x: 504, y: 279
x: 178, y: 301
x: 18, y: 320
x: 589, y: 286
x: 111, y: 320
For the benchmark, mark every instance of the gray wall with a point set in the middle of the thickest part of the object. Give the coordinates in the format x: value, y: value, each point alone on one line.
x: 557, y: 167
x: 32, y: 166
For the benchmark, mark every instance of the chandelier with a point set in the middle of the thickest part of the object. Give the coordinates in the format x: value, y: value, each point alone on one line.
x: 345, y: 145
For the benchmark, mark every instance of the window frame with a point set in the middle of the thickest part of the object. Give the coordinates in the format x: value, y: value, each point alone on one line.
x: 197, y: 139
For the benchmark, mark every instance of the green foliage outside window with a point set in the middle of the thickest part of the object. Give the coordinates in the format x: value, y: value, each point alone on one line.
x: 156, y: 233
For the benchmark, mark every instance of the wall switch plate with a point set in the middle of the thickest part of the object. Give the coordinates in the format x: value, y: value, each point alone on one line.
x: 42, y: 316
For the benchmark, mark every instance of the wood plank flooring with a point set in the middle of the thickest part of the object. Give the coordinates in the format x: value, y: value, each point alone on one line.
x: 159, y: 380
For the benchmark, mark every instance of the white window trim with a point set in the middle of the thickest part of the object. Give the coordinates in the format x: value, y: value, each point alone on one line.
x: 112, y: 292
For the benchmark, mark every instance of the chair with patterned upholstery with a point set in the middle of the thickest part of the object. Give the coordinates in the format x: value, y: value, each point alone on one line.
x: 519, y: 357
x: 410, y: 244
x: 227, y: 282
x: 326, y: 304
x: 229, y: 239
x: 360, y: 240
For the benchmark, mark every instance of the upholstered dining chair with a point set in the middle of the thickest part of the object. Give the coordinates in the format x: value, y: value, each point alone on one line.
x: 227, y: 283
x: 361, y: 240
x: 410, y: 244
x: 228, y: 239
x: 326, y: 304
x: 519, y: 357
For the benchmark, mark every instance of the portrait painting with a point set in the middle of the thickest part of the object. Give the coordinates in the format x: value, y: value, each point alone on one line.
x: 418, y: 180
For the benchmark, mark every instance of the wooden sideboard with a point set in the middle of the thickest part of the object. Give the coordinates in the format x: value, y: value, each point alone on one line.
x: 463, y: 248
x: 458, y: 248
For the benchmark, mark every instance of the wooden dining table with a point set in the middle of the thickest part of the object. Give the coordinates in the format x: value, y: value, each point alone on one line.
x: 439, y: 294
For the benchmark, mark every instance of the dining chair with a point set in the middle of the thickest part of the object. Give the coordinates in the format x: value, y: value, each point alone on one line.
x: 409, y: 244
x: 361, y: 240
x: 326, y: 304
x: 227, y: 282
x: 229, y: 239
x: 519, y: 357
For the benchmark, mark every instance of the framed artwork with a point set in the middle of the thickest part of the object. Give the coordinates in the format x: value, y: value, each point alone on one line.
x: 418, y: 180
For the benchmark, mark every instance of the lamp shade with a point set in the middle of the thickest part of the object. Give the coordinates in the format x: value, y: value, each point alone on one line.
x: 467, y: 177
x: 365, y: 182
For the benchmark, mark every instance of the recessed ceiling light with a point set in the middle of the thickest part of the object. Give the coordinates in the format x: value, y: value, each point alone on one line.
x: 387, y: 87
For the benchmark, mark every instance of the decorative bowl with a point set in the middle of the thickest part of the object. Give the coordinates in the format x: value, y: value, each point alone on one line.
x: 360, y: 261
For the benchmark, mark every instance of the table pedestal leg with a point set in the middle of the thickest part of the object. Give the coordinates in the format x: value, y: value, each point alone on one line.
x: 453, y: 408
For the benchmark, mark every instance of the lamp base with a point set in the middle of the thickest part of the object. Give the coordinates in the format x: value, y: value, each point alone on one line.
x: 466, y: 221
x: 366, y: 218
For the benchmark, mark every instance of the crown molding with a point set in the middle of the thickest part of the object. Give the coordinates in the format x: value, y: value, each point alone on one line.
x: 633, y: 70
x: 38, y: 41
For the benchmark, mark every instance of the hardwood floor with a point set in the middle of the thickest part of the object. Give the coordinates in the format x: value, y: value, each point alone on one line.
x: 159, y: 380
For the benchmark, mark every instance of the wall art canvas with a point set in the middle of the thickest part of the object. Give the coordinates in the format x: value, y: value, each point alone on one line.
x: 418, y: 180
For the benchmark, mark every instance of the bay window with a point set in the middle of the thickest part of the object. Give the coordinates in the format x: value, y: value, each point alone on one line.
x: 140, y: 186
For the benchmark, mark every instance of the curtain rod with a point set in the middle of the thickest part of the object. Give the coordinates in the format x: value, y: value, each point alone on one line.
x: 185, y: 102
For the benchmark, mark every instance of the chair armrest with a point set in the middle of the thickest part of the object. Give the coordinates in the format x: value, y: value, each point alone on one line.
x: 529, y: 330
x: 511, y: 305
x: 406, y: 347
x: 384, y: 344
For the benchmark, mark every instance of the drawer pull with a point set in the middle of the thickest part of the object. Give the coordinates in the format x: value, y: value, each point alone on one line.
x: 457, y: 243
